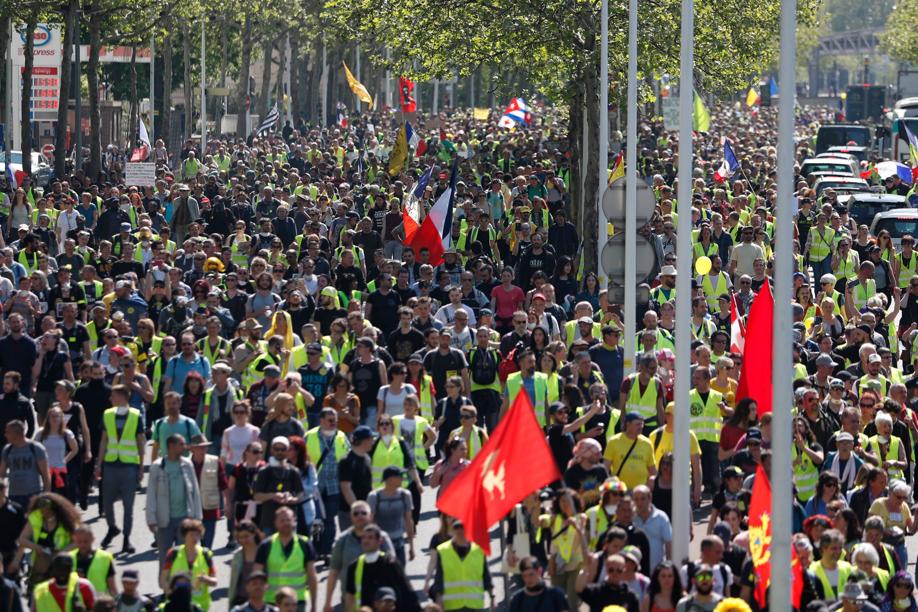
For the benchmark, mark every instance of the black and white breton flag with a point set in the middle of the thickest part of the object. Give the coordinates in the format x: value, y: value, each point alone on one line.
x: 270, y: 121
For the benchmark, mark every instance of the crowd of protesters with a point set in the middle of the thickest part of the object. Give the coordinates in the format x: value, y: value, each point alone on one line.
x: 251, y: 342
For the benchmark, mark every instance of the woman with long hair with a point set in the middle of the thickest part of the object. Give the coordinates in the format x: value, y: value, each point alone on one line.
x: 539, y: 341
x: 345, y: 403
x: 241, y: 482
x: 308, y: 511
x: 192, y: 394
x: 589, y: 291
x: 564, y: 280
x: 50, y: 522
x: 744, y: 416
x: 61, y: 447
x: 665, y: 589
x: 423, y: 384
x: 454, y: 461
x: 900, y: 594
x: 75, y: 419
x: 827, y: 490
x: 565, y: 524
x: 20, y: 214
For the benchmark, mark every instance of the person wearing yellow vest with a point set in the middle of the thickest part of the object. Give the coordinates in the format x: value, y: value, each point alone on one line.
x: 831, y: 573
x: 887, y: 448
x: 707, y: 410
x: 905, y: 264
x: 48, y: 528
x: 120, y: 462
x: 662, y: 440
x: 65, y: 585
x: 858, y: 291
x: 535, y: 384
x: 28, y: 254
x: 806, y: 462
x: 374, y: 571
x: 462, y: 576
x: 820, y: 245
x: 193, y: 559
x: 643, y: 393
x: 483, y: 363
x: 96, y: 565
x: 715, y: 283
x: 388, y: 450
x: 629, y: 455
x: 474, y: 436
x: 288, y: 560
x: 215, y: 413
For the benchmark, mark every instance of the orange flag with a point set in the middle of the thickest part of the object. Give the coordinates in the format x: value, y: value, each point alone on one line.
x: 513, y: 463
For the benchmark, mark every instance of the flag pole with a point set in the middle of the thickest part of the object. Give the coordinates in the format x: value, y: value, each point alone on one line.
x: 681, y: 499
x: 601, y: 232
x: 203, y: 90
x: 782, y: 374
x: 630, y: 167
x: 152, y: 89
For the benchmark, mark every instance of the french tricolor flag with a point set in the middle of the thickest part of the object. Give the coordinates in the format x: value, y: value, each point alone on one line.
x: 434, y: 233
x: 516, y: 112
x: 729, y: 165
x: 414, y: 141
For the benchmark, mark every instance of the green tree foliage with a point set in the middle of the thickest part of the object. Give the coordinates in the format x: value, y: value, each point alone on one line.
x: 900, y: 39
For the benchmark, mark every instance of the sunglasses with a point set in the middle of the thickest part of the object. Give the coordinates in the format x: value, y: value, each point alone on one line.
x: 465, y: 417
x: 360, y: 513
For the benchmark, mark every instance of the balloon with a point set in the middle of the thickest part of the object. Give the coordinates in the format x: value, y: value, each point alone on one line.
x: 703, y: 265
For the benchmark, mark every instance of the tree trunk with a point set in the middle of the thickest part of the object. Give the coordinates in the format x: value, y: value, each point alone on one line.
x: 242, y: 85
x: 29, y: 32
x: 282, y: 81
x: 95, y: 116
x: 591, y: 236
x: 71, y: 25
x: 165, y: 125
x: 133, y: 126
x: 265, y: 79
x: 186, y: 81
x: 5, y: 23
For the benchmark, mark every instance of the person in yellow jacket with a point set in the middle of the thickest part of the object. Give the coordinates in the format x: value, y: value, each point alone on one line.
x: 193, y: 559
x: 96, y: 565
x: 288, y: 559
x: 535, y: 384
x: 474, y: 436
x: 831, y: 573
x: 461, y: 580
x: 64, y: 584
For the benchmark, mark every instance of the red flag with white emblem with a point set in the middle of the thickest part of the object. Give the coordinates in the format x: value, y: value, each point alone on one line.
x: 513, y: 463
x: 737, y: 329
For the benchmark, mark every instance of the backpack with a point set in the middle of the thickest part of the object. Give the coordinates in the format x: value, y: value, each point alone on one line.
x: 509, y: 363
x: 691, y: 567
x: 484, y: 368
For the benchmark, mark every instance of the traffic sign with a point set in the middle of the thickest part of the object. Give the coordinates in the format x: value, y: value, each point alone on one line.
x: 613, y: 259
x: 613, y: 203
x: 48, y: 151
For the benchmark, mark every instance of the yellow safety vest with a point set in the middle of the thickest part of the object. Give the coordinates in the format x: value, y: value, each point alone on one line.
x: 821, y: 245
x: 474, y: 442
x: 45, y: 601
x: 426, y: 397
x: 711, y: 293
x: 907, y: 271
x: 420, y: 428
x: 358, y: 579
x: 597, y: 522
x: 806, y: 476
x: 287, y: 571
x: 462, y: 577
x: 831, y: 593
x: 863, y: 292
x: 314, y: 447
x: 122, y: 449
x: 540, y: 385
x: 845, y: 268
x: 892, y: 454
x: 199, y: 594
x: 385, y: 456
x: 61, y: 538
x: 97, y: 574
x: 208, y: 395
x: 706, y: 419
x: 644, y: 404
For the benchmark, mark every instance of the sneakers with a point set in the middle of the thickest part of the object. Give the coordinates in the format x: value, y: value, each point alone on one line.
x: 126, y: 548
x: 113, y: 532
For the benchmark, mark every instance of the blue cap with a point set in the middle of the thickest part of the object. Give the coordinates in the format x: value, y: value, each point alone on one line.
x: 362, y: 433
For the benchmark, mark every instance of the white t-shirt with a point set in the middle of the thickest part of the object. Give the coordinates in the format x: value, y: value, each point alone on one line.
x: 235, y: 439
x: 394, y: 403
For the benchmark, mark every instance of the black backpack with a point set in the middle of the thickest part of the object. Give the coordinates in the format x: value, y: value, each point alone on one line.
x: 484, y: 368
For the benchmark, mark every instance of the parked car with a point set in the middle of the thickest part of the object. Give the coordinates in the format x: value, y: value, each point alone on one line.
x: 863, y: 207
x: 841, y: 166
x: 898, y: 222
x: 42, y: 172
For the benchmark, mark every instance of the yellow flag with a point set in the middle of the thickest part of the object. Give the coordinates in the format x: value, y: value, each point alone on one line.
x: 481, y: 114
x: 357, y: 87
x: 618, y: 170
x: 399, y: 153
x: 752, y: 97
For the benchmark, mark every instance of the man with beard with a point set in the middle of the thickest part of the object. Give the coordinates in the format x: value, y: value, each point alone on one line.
x: 405, y: 340
x: 702, y: 598
x: 533, y: 259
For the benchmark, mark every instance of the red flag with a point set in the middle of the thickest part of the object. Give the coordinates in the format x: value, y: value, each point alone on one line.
x: 407, y: 101
x: 760, y: 542
x: 513, y: 463
x: 755, y: 377
x: 760, y: 533
x: 737, y: 328
x: 140, y: 153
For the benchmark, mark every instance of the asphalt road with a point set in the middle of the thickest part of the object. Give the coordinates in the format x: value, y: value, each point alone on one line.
x: 145, y: 560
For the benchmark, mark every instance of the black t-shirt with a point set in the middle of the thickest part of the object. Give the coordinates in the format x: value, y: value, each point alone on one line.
x: 384, y: 313
x: 548, y: 599
x: 403, y: 345
x: 441, y: 366
x: 599, y: 595
x: 578, y: 478
x: 355, y: 469
x: 13, y: 519
x: 123, y: 267
x: 275, y: 479
x: 561, y: 445
x: 83, y: 563
x: 75, y: 337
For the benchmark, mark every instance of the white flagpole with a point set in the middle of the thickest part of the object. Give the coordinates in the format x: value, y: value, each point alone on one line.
x: 601, y: 233
x: 782, y: 373
x: 631, y: 191
x: 203, y: 91
x: 152, y: 89
x: 681, y: 459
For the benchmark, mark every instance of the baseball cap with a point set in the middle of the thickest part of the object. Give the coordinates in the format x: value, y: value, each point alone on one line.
x: 125, y: 227
x: 362, y: 433
x: 256, y: 575
x: 313, y: 347
x: 754, y: 433
x: 130, y: 575
x: 825, y: 359
x: 385, y: 594
x: 875, y: 358
x: 281, y: 440
x: 272, y: 371
x: 827, y: 278
x: 731, y: 470
x: 844, y: 437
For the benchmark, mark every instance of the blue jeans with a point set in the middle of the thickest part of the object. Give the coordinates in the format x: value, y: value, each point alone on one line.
x: 821, y: 267
x: 332, y: 503
x: 119, y: 481
x: 210, y: 529
x: 168, y: 536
